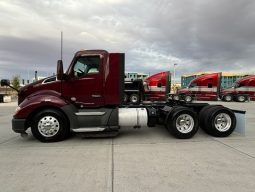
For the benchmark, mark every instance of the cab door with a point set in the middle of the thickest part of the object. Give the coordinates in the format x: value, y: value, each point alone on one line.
x: 84, y: 83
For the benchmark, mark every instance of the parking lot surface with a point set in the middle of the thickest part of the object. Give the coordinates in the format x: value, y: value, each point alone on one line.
x: 147, y: 159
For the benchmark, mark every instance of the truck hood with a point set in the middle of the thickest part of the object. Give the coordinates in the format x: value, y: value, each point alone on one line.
x: 34, y: 87
x: 184, y: 90
x: 228, y: 90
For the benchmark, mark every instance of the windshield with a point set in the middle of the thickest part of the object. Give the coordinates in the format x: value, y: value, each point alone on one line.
x: 192, y: 85
x: 236, y: 85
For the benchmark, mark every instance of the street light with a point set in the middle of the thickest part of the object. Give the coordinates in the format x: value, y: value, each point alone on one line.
x: 174, y: 88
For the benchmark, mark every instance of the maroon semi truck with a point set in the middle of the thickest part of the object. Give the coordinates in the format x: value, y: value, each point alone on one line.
x: 88, y: 99
x: 208, y: 88
x: 154, y: 88
x: 242, y: 90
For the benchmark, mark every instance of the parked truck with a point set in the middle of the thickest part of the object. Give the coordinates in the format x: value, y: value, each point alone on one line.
x: 88, y: 99
x: 242, y: 90
x: 208, y: 88
x: 154, y: 88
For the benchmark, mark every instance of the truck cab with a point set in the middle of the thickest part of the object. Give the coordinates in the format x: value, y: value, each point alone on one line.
x: 157, y: 86
x: 204, y: 87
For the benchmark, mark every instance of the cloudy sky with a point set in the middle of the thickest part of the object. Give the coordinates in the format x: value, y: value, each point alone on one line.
x: 199, y: 35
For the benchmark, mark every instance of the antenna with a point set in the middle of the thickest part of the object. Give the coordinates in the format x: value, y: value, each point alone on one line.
x: 61, y: 45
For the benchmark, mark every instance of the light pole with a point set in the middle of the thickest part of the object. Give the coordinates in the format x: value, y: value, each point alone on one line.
x: 174, y: 88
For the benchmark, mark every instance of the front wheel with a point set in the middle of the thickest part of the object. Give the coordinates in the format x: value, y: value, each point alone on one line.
x: 50, y: 125
x: 241, y: 98
x: 182, y: 123
x: 228, y: 98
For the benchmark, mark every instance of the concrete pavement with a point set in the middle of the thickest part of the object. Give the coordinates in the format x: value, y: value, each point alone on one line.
x: 147, y: 159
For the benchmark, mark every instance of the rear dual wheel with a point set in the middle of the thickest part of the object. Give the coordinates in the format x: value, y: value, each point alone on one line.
x: 182, y: 122
x: 217, y: 120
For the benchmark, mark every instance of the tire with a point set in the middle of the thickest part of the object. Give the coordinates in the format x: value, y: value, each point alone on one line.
x: 188, y: 98
x: 176, y: 97
x: 53, y: 120
x: 241, y: 98
x: 203, y: 113
x: 182, y: 123
x: 228, y: 98
x: 134, y: 98
x: 220, y: 121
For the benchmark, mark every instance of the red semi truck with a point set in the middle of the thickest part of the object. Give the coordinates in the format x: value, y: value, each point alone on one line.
x: 154, y: 88
x: 88, y: 99
x: 208, y: 88
x: 242, y: 90
x: 157, y: 86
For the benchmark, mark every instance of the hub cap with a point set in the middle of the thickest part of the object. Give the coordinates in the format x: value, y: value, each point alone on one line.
x: 48, y: 126
x: 185, y: 123
x: 134, y: 99
x: 222, y: 122
x: 241, y: 98
x: 188, y: 98
x: 228, y: 98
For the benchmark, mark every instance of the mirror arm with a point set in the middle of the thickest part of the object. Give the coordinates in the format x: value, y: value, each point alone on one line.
x: 13, y: 88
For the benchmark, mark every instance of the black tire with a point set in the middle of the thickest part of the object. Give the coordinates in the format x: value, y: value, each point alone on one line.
x: 241, y: 98
x: 228, y: 98
x: 50, y: 116
x: 188, y: 98
x: 202, y: 115
x: 222, y: 130
x: 134, y: 98
x: 174, y: 119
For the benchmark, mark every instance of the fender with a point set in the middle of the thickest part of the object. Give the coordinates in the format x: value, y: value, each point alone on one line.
x: 38, y: 100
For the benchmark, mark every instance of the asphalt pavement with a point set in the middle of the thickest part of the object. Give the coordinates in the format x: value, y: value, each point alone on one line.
x: 147, y: 159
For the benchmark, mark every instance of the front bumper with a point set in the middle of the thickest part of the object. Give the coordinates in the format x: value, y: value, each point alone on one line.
x: 18, y: 125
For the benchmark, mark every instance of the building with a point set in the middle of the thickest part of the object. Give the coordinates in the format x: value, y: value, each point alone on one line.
x: 135, y: 75
x: 227, y: 78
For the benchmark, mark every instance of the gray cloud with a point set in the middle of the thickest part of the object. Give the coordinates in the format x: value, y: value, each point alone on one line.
x: 199, y: 35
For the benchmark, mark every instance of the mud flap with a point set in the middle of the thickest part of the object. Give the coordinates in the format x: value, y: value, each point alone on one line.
x: 240, y: 122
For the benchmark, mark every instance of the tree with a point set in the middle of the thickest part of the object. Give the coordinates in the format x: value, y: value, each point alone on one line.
x: 16, y: 82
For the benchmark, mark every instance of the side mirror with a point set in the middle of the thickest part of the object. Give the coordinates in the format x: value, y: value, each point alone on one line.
x: 5, y: 82
x: 60, y: 71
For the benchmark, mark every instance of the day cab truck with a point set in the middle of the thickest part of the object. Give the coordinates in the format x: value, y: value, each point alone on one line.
x: 154, y: 88
x: 208, y: 88
x: 88, y: 99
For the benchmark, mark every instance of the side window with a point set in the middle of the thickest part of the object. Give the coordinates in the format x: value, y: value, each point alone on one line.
x: 209, y: 85
x: 86, y: 65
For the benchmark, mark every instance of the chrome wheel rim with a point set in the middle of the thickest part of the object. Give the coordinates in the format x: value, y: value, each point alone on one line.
x: 241, y: 98
x: 176, y: 97
x: 48, y: 126
x: 188, y: 98
x: 185, y: 123
x: 134, y: 99
x: 228, y: 98
x: 222, y: 122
